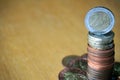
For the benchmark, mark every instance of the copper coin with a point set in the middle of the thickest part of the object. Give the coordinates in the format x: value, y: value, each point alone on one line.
x: 102, y: 63
x: 92, y: 50
x: 99, y: 57
x: 99, y: 60
x: 101, y: 46
x: 104, y: 74
x: 102, y: 55
x: 99, y: 67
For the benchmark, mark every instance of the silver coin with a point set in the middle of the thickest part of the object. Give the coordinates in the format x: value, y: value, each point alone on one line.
x: 100, y: 39
x: 101, y: 46
x: 94, y: 41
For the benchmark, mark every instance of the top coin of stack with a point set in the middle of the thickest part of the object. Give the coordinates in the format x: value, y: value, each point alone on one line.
x: 99, y: 20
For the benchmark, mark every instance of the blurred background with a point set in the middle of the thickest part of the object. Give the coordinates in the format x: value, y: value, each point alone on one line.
x: 35, y: 35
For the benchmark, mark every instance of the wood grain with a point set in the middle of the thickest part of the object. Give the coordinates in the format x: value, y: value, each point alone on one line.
x: 36, y: 34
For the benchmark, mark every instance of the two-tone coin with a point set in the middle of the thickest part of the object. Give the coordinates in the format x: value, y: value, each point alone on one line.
x: 99, y: 20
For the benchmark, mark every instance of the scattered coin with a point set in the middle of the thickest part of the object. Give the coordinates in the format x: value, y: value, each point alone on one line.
x: 67, y: 60
x: 72, y: 74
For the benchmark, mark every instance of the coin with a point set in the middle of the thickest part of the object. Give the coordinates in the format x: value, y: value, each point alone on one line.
x: 102, y: 47
x: 80, y: 62
x: 100, y: 66
x: 102, y: 55
x: 72, y: 74
x: 101, y: 74
x: 67, y: 59
x: 92, y: 50
x: 101, y: 42
x: 92, y: 77
x: 101, y: 60
x: 99, y: 20
x: 73, y: 61
x: 100, y: 39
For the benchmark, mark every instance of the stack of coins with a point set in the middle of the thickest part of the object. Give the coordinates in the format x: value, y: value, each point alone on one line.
x: 100, y: 56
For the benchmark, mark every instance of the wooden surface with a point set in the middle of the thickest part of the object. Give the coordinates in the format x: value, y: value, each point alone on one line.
x: 35, y: 35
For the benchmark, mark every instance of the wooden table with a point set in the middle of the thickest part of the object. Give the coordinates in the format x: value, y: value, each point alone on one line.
x: 35, y: 35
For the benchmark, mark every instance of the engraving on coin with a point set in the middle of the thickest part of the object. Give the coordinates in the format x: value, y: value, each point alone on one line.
x: 99, y: 21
